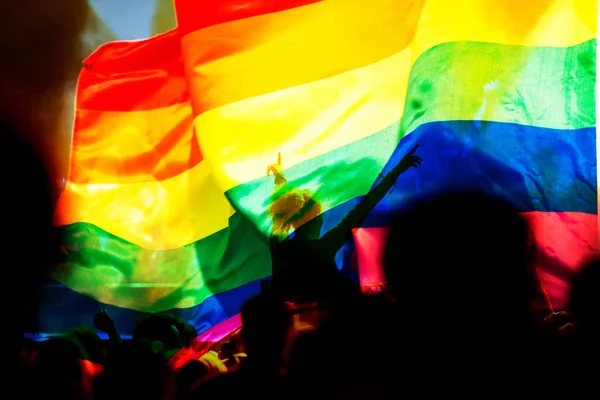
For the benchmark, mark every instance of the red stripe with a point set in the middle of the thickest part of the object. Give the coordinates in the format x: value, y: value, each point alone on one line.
x: 193, y: 15
x: 128, y: 76
x: 565, y: 240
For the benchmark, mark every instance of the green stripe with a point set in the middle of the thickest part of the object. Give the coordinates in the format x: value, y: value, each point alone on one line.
x: 546, y: 87
x: 117, y: 272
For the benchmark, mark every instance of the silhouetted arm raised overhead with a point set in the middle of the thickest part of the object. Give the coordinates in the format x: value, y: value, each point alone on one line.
x: 336, y: 237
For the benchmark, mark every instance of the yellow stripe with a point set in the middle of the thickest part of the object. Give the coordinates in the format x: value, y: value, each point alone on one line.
x: 241, y: 139
x: 132, y: 146
x: 154, y: 215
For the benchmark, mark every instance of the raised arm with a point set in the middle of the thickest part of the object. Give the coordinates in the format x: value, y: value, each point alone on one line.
x: 336, y: 237
x: 276, y: 170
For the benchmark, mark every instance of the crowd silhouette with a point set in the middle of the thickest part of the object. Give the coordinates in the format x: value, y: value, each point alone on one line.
x: 455, y: 318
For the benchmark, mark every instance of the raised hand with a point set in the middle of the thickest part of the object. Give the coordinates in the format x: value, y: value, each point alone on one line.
x: 410, y: 160
x: 104, y: 323
x: 275, y: 169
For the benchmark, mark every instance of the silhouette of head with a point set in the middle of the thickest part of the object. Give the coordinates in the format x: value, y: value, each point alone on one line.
x: 90, y: 341
x: 133, y: 372
x: 464, y: 251
x: 188, y: 335
x: 56, y: 370
x: 298, y: 210
x: 160, y: 334
x: 265, y: 324
x: 584, y: 301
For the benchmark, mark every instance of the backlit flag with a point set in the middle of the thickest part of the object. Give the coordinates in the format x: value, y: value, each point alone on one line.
x: 169, y: 204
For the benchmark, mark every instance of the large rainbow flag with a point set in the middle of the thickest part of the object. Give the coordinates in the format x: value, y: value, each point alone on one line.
x: 167, y: 201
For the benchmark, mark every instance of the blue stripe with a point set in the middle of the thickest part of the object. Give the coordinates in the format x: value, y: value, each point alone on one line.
x: 537, y: 169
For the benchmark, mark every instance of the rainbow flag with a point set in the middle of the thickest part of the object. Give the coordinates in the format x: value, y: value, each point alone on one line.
x: 168, y: 200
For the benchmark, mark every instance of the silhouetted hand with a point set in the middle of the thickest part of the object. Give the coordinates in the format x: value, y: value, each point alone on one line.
x: 104, y: 323
x: 410, y: 160
x: 275, y: 169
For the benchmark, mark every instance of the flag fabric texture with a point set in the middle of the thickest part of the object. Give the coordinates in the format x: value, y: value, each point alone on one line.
x: 167, y: 204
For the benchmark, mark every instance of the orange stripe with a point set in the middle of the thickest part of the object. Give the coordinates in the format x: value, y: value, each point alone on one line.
x: 253, y: 56
x: 193, y: 14
x: 135, y: 146
x: 140, y: 75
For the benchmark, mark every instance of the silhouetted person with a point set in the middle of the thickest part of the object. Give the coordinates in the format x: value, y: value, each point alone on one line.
x: 160, y: 335
x: 42, y: 39
x: 303, y: 262
x: 583, y: 338
x: 104, y: 323
x: 90, y: 341
x: 134, y: 373
x: 265, y: 324
x: 584, y: 301
x: 459, y: 265
x: 140, y: 369
x: 56, y: 371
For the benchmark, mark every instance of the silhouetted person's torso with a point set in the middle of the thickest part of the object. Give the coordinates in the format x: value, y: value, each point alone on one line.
x: 303, y: 263
x: 304, y: 268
